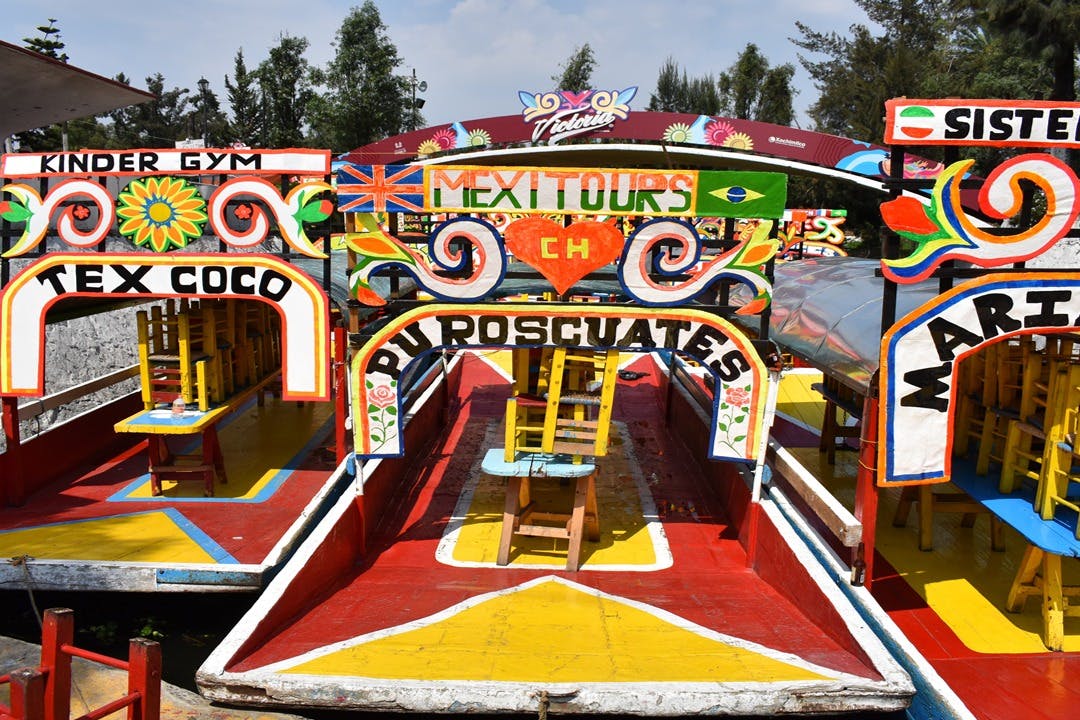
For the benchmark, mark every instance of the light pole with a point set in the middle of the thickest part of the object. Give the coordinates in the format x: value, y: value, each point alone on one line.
x: 415, y: 104
x: 204, y: 86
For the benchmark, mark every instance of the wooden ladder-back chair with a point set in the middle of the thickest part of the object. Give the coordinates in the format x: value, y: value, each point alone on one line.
x: 1005, y: 365
x: 1059, y: 484
x: 170, y: 364
x: 580, y: 398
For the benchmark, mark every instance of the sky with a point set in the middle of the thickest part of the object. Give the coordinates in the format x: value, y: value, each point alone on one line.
x: 474, y: 55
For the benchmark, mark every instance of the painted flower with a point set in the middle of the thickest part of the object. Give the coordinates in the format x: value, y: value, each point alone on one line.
x: 739, y: 141
x: 428, y: 147
x: 80, y: 211
x: 14, y: 211
x: 736, y: 397
x: 243, y: 211
x: 716, y: 132
x: 161, y: 212
x: 382, y: 396
x: 907, y: 215
x: 478, y: 138
x: 446, y: 139
x: 677, y: 132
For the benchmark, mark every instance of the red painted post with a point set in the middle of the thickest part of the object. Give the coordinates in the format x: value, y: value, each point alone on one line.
x: 341, y: 400
x: 13, y: 486
x: 58, y: 629
x: 27, y: 694
x: 144, y: 677
x: 866, y: 496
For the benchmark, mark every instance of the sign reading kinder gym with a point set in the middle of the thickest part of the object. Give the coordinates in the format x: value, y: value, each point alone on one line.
x: 921, y: 352
x: 166, y: 162
x: 738, y: 373
x: 1011, y: 123
x: 305, y: 343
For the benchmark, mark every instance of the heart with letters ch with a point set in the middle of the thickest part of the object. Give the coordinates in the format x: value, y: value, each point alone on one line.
x: 563, y: 255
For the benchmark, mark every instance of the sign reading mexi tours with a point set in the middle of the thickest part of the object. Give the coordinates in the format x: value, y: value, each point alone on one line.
x: 606, y: 191
x: 1013, y: 123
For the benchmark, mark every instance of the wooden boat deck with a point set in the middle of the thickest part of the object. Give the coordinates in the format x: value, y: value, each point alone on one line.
x: 663, y: 613
x: 950, y: 601
x: 101, y: 528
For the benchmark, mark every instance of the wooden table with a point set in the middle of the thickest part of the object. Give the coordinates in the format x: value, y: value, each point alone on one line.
x: 520, y: 515
x: 158, y: 424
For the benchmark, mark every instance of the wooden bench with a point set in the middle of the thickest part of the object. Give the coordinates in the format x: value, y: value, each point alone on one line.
x: 837, y: 398
x: 522, y: 517
x: 1047, y: 542
x: 161, y: 422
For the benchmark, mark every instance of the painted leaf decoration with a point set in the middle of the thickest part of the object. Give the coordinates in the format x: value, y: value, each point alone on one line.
x: 758, y: 253
x: 314, y: 212
x: 908, y: 215
x: 14, y: 211
x: 526, y: 99
x: 626, y: 96
x: 754, y: 306
x: 377, y: 245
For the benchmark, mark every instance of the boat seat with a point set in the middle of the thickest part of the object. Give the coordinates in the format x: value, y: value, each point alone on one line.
x: 521, y: 516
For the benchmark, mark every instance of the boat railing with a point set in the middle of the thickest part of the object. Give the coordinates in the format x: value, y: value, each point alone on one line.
x: 39, y: 406
x: 832, y: 515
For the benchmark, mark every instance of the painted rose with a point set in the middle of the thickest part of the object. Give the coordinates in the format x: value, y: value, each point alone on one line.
x: 382, y: 396
x: 736, y: 397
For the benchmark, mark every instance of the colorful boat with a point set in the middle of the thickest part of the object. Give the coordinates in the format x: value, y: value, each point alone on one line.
x: 538, y: 453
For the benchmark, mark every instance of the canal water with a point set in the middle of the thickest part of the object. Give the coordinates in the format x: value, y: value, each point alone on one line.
x: 188, y: 627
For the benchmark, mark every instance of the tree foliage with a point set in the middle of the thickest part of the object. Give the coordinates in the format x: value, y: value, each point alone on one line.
x: 575, y: 74
x: 243, y: 95
x: 365, y: 99
x: 285, y: 90
x: 677, y: 92
x: 46, y: 44
x: 752, y: 90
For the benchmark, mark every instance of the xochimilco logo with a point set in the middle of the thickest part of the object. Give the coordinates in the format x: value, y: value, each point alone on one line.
x: 562, y: 114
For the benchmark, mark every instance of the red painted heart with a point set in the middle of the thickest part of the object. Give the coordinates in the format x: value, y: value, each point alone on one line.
x: 563, y: 255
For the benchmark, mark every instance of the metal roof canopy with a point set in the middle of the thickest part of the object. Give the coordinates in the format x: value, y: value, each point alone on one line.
x: 828, y: 311
x: 38, y: 91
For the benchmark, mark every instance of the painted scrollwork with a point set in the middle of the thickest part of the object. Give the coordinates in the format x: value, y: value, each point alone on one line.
x: 743, y: 263
x: 299, y: 206
x: 484, y: 259
x: 943, y: 231
x: 30, y: 208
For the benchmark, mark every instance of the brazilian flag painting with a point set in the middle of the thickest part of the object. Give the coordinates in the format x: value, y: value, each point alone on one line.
x: 735, y: 194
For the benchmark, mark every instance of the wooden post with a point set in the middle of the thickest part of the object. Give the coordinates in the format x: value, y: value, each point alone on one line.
x: 27, y: 694
x: 866, y: 498
x: 144, y: 677
x: 341, y: 392
x: 58, y: 629
x: 12, y: 488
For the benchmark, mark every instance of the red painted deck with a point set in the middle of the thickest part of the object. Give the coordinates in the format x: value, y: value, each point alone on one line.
x: 399, y: 581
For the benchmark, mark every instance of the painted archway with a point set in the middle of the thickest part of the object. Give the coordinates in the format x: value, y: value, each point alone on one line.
x: 738, y: 372
x: 302, y: 304
x: 921, y: 353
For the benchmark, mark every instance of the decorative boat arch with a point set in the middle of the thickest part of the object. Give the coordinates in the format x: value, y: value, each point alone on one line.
x: 739, y: 374
x: 921, y: 353
x: 302, y: 304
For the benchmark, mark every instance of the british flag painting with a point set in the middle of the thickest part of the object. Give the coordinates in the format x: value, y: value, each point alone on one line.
x: 380, y: 188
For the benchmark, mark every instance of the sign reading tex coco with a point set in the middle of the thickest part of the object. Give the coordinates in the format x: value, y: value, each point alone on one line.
x: 921, y: 355
x: 166, y: 162
x: 1009, y: 123
x: 482, y: 189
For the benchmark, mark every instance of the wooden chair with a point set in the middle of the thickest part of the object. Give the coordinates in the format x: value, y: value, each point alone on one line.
x: 170, y: 363
x: 1061, y: 473
x: 1005, y: 364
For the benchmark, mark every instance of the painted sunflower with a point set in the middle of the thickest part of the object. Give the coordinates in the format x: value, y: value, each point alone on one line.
x: 428, y: 147
x: 478, y: 138
x: 446, y: 138
x: 717, y: 132
x: 677, y: 132
x: 739, y: 141
x: 161, y: 213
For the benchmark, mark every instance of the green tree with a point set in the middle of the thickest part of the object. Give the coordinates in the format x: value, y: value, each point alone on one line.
x: 46, y: 44
x: 243, y: 96
x: 161, y: 122
x: 859, y: 73
x: 575, y: 75
x: 671, y: 89
x: 365, y: 101
x: 752, y: 90
x: 285, y: 91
